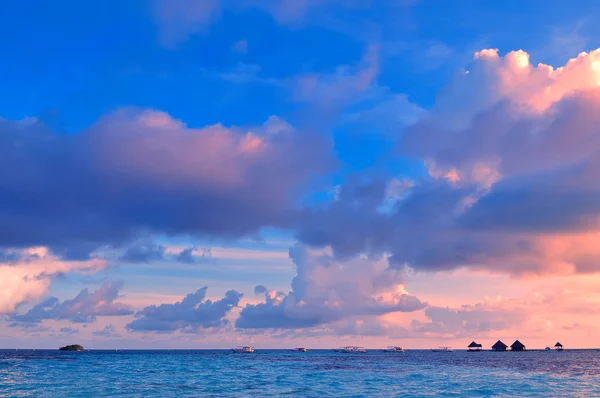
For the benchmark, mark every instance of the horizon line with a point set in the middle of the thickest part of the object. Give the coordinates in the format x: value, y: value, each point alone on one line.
x: 282, y: 349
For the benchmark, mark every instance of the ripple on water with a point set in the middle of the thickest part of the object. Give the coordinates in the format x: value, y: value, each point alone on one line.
x: 313, y: 374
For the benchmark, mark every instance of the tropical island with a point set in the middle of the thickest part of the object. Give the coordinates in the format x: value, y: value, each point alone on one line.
x: 73, y: 347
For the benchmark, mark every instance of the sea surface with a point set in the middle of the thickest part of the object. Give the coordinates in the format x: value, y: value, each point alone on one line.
x: 318, y: 373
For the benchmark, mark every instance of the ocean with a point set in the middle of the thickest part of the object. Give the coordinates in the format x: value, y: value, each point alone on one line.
x: 317, y: 373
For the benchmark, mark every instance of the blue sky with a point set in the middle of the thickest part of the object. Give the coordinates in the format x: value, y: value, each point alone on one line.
x: 71, y: 63
x: 91, y: 94
x: 85, y: 60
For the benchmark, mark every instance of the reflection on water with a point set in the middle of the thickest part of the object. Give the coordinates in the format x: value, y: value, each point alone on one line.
x: 316, y: 373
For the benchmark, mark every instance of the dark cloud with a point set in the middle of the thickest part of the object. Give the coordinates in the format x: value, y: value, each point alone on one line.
x: 351, y: 223
x: 537, y: 203
x: 260, y: 289
x: 84, y: 308
x: 325, y: 291
x: 143, y: 252
x: 188, y: 256
x: 192, y: 314
x: 81, y: 251
x: 513, y: 179
x: 137, y: 172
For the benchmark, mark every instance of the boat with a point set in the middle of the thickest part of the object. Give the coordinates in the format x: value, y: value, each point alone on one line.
x: 243, y: 349
x: 443, y: 349
x: 351, y: 349
x: 300, y: 349
x: 393, y: 349
x: 547, y: 348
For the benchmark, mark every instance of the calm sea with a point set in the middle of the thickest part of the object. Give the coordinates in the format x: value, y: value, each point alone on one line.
x: 313, y: 374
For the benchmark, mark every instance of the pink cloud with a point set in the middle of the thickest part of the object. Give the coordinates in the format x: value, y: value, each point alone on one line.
x: 326, y: 290
x: 130, y: 172
x: 546, y: 312
x: 512, y: 154
x: 28, y: 281
x: 154, y: 145
x: 84, y: 308
x: 492, y: 78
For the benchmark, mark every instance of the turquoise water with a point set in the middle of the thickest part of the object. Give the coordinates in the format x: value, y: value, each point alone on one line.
x: 198, y: 373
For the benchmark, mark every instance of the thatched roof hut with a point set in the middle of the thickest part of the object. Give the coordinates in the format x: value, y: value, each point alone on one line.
x: 558, y: 346
x: 517, y: 346
x: 499, y: 346
x: 474, y: 347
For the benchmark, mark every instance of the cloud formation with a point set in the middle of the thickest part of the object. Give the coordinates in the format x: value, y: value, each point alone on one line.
x: 193, y: 255
x: 26, y: 274
x: 84, y: 308
x: 135, y: 172
x: 326, y: 290
x: 143, y: 252
x: 511, y: 150
x: 190, y: 315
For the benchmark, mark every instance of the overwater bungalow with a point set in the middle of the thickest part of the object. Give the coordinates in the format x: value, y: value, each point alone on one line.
x: 517, y: 346
x: 499, y: 346
x: 474, y: 347
x: 558, y: 347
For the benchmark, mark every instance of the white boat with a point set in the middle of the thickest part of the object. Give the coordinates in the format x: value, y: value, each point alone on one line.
x: 243, y: 349
x: 443, y: 349
x: 391, y: 348
x: 300, y: 349
x: 351, y: 349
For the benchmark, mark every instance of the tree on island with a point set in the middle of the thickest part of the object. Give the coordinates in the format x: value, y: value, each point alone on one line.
x: 74, y: 347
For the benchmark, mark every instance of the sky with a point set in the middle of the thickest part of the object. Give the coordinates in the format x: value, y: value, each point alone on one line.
x: 282, y: 173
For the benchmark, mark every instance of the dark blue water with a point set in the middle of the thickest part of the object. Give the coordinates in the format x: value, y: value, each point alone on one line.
x: 313, y: 374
